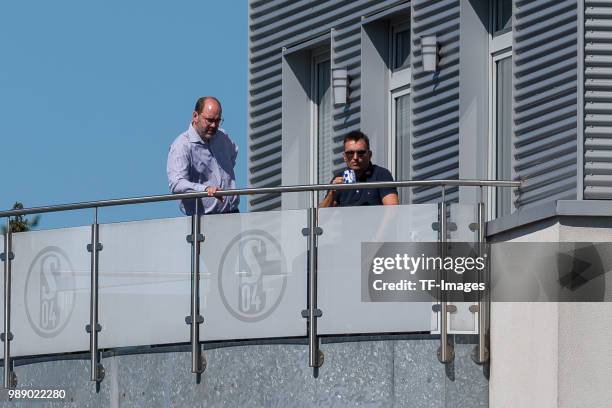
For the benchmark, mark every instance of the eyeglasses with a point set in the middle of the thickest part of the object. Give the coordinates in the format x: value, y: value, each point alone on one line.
x: 211, y: 121
x: 351, y: 153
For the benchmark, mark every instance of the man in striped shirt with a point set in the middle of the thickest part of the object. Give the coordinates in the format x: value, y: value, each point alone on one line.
x: 202, y: 159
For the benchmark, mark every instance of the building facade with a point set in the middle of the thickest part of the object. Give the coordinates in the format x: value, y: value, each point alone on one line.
x: 520, y: 92
x: 517, y: 94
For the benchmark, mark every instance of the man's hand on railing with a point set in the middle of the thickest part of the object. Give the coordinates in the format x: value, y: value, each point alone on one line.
x: 211, y: 190
x: 337, y: 180
x: 329, y: 201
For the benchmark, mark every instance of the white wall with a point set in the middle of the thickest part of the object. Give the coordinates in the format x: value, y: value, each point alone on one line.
x: 552, y: 354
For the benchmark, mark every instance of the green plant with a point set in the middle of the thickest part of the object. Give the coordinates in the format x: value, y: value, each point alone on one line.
x: 20, y: 223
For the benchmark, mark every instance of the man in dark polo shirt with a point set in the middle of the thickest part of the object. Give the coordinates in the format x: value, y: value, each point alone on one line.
x: 357, y: 155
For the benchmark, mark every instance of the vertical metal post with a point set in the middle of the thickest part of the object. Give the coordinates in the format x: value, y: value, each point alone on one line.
x: 93, y: 328
x: 198, y: 363
x: 315, y: 356
x: 446, y: 353
x: 10, y: 379
x: 480, y: 354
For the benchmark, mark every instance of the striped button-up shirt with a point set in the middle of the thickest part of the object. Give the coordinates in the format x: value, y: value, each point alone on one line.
x: 194, y: 164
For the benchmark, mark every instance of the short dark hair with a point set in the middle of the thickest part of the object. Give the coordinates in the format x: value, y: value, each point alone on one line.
x: 199, y: 106
x: 356, y: 136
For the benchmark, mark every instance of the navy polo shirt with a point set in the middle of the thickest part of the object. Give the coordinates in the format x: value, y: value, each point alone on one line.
x: 370, y: 196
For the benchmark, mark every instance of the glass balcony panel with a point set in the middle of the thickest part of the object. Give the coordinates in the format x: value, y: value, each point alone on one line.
x: 144, y: 282
x: 255, y: 264
x: 50, y: 291
x: 252, y: 278
x: 339, y: 267
x: 461, y: 217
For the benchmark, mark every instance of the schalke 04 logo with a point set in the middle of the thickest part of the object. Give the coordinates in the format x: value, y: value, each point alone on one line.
x: 50, y: 292
x: 252, y: 275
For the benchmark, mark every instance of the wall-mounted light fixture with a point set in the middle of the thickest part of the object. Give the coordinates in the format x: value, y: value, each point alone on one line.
x: 429, y: 51
x: 340, y: 83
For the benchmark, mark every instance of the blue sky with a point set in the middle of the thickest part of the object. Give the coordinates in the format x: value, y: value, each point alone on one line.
x: 93, y: 93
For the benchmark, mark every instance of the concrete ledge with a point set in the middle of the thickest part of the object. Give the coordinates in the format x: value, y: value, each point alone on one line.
x: 560, y: 208
x: 398, y: 373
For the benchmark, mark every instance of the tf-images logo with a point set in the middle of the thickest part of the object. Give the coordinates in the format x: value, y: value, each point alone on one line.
x: 252, y: 275
x: 50, y: 291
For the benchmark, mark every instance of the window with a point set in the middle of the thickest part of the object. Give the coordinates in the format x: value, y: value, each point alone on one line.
x: 386, y: 72
x: 500, y: 95
x: 502, y: 16
x: 399, y: 55
x: 306, y: 117
x: 401, y: 128
x: 400, y: 39
x: 503, y: 132
x: 322, y: 116
x: 399, y: 106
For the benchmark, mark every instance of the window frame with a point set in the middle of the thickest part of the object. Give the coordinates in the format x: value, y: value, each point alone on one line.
x: 494, y: 13
x: 402, y: 76
x: 397, y: 26
x: 500, y: 47
x: 493, y: 123
x: 392, y: 159
x: 399, y: 84
x: 318, y: 56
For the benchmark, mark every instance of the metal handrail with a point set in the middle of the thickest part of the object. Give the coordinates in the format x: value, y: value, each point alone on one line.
x: 260, y: 190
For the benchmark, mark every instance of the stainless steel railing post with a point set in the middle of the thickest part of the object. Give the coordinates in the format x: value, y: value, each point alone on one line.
x: 198, y: 361
x: 94, y: 327
x: 315, y: 355
x: 446, y: 353
x: 480, y: 354
x: 10, y: 378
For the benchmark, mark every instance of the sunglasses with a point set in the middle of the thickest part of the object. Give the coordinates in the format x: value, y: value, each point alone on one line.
x: 351, y: 153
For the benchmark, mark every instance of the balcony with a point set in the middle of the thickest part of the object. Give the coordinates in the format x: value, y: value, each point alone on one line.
x: 250, y: 280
